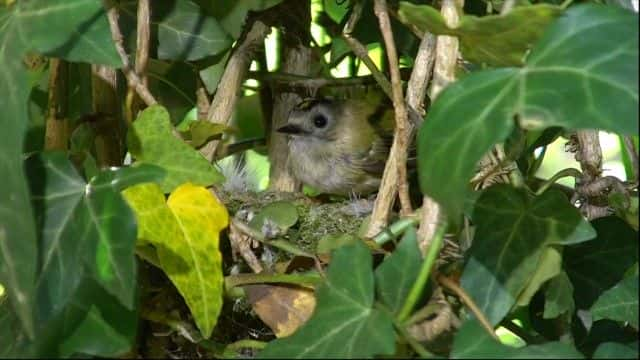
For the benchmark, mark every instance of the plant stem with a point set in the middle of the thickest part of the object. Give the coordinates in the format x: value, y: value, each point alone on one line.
x: 423, y: 276
x: 308, y: 279
x: 559, y: 175
x: 395, y: 229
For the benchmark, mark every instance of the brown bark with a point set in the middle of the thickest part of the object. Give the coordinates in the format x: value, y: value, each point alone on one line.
x: 109, y: 138
x: 57, y: 128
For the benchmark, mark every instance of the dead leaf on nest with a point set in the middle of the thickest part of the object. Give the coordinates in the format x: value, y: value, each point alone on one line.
x: 282, y: 308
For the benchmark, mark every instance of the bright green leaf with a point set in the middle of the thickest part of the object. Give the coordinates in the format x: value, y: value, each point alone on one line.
x: 185, y: 232
x: 185, y: 32
x: 619, y: 303
x: 558, y: 298
x: 75, y: 30
x: 473, y: 342
x: 201, y: 131
x: 597, y: 265
x: 513, y: 229
x: 398, y: 272
x: 151, y: 141
x: 344, y: 324
x: 574, y: 77
x: 500, y: 40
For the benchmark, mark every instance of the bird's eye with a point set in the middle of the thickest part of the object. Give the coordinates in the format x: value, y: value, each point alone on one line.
x: 320, y: 121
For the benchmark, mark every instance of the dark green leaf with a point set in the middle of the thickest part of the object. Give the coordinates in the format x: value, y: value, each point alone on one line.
x: 187, y: 33
x: 397, y: 274
x: 473, y: 342
x: 232, y: 14
x: 336, y: 9
x: 598, y: 265
x: 75, y: 30
x: 344, y: 324
x: 500, y: 40
x: 85, y: 226
x: 18, y: 253
x: 612, y: 350
x: 211, y: 74
x: 174, y: 86
x: 513, y: 229
x: 571, y: 79
x: 558, y: 297
x: 619, y: 303
x: 151, y: 141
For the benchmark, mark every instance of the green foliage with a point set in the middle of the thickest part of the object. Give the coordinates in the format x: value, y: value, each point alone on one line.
x: 567, y: 81
x: 473, y: 342
x: 619, y: 303
x: 151, y: 141
x: 499, y: 40
x: 345, y: 323
x: 513, y: 231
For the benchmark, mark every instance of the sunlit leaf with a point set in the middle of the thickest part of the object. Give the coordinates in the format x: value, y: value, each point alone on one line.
x: 185, y: 232
x: 499, y: 40
x: 513, y: 229
x: 619, y: 303
x: 574, y: 77
x: 549, y: 265
x: 473, y: 342
x: 151, y: 141
x: 344, y: 324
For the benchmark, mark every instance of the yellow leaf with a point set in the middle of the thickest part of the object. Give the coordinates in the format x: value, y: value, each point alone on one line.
x: 185, y: 232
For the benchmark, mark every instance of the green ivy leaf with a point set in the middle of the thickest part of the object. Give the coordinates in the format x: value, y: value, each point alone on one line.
x: 18, y: 253
x: 232, y: 14
x: 82, y: 221
x: 513, y: 230
x: 598, y: 265
x: 75, y: 30
x: 499, y: 40
x: 613, y: 350
x: 151, y: 141
x: 284, y: 214
x: 344, y: 323
x: 549, y: 265
x: 185, y: 32
x: 619, y: 303
x: 473, y: 342
x: 185, y: 232
x: 558, y: 297
x: 398, y: 272
x: 571, y: 79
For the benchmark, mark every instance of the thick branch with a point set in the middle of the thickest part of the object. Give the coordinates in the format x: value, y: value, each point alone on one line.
x: 230, y: 83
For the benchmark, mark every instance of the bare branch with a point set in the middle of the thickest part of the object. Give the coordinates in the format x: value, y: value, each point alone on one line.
x: 57, y: 126
x: 230, y: 83
x: 132, y: 78
x: 361, y: 51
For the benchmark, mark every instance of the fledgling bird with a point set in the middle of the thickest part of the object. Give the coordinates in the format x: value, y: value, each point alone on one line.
x: 340, y: 146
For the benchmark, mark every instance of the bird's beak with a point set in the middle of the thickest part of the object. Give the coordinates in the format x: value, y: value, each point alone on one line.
x: 290, y: 129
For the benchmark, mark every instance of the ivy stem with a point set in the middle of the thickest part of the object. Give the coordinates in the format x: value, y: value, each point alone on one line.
x: 423, y: 276
x: 307, y: 279
x: 394, y: 230
x: 246, y: 343
x: 559, y: 175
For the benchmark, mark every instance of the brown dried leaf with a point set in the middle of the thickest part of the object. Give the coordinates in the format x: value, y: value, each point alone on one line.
x: 282, y: 308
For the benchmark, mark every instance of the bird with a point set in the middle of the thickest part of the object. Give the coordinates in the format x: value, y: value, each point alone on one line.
x: 340, y: 146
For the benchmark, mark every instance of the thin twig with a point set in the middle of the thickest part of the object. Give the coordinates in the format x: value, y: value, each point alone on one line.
x: 400, y: 145
x: 468, y: 302
x: 631, y: 150
x: 132, y: 78
x: 361, y: 51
